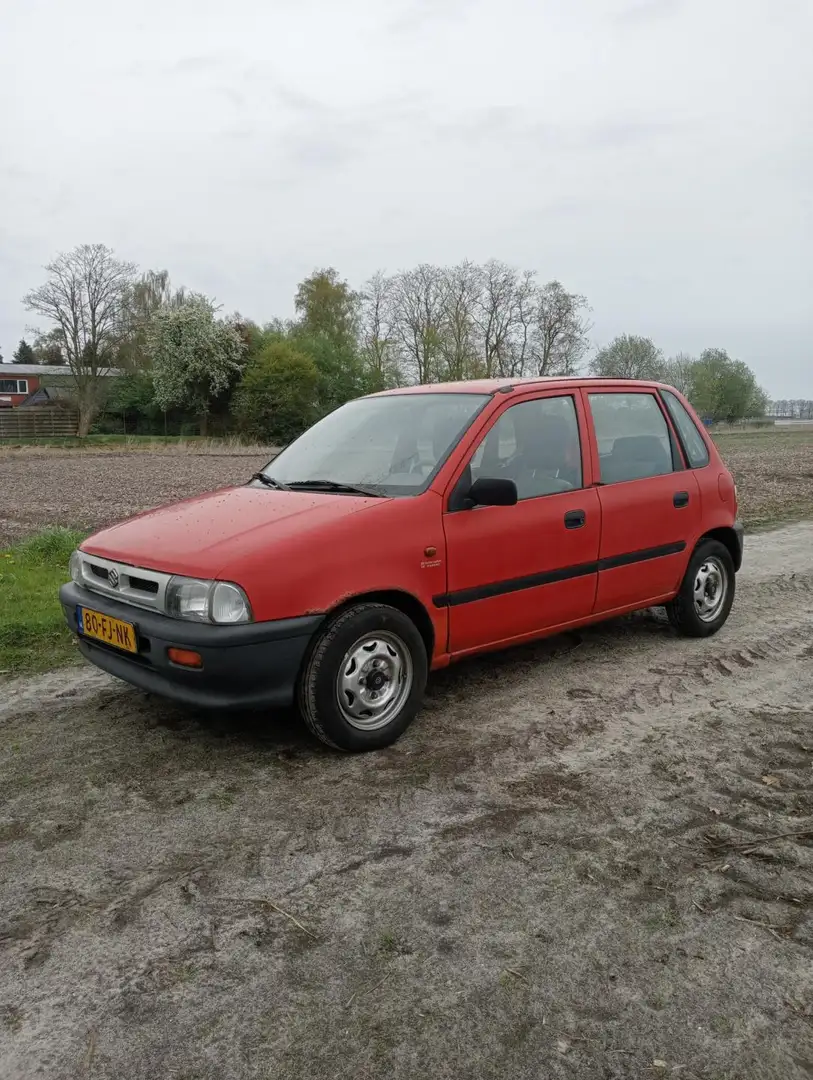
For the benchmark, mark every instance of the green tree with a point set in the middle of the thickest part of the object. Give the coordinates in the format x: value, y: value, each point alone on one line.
x: 628, y: 357
x: 85, y: 298
x: 327, y: 307
x: 254, y: 338
x: 327, y: 329
x: 759, y: 404
x: 24, y: 353
x: 195, y: 357
x: 48, y: 350
x: 725, y: 389
x: 278, y: 395
x: 340, y: 370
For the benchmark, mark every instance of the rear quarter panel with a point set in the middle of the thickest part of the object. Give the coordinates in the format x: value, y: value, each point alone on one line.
x: 718, y: 498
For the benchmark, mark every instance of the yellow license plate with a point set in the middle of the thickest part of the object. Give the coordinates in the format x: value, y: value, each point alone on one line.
x: 92, y: 624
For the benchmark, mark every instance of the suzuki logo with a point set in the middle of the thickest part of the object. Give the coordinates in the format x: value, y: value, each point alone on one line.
x: 113, y: 577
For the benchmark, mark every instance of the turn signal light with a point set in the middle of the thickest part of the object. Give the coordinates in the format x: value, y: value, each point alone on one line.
x: 185, y: 658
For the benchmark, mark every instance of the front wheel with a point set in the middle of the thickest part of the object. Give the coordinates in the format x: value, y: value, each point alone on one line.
x: 706, y: 593
x: 364, y: 680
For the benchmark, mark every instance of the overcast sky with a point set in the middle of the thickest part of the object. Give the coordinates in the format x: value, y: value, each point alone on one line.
x: 655, y: 155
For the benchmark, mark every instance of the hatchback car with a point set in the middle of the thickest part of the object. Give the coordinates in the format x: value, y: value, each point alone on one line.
x: 407, y: 530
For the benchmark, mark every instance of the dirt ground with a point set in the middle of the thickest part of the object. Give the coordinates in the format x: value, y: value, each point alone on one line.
x: 42, y: 486
x: 589, y: 858
x: 87, y: 490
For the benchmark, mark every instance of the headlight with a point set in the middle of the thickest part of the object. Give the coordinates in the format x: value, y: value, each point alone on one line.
x: 75, y: 566
x: 229, y: 604
x: 207, y: 601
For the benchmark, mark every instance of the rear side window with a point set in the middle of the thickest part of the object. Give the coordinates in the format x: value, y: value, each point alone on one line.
x: 696, y: 450
x: 633, y: 437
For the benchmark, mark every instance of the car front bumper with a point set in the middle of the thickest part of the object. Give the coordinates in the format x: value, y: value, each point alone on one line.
x: 249, y: 666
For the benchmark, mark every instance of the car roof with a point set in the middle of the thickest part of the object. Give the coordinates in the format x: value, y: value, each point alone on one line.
x: 496, y: 386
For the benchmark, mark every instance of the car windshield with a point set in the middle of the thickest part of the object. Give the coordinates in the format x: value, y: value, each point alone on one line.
x: 391, y: 445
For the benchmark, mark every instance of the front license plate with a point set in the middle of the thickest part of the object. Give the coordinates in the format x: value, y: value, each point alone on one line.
x: 92, y: 624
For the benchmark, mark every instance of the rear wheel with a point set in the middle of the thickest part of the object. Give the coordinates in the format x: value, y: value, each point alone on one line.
x: 706, y: 593
x: 364, y: 680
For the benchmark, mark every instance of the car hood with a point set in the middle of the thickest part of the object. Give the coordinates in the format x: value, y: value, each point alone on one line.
x: 200, y: 537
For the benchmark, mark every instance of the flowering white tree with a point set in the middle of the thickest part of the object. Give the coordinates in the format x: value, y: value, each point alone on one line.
x: 195, y: 356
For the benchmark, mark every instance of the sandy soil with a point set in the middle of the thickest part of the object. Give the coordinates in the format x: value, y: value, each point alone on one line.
x: 589, y: 858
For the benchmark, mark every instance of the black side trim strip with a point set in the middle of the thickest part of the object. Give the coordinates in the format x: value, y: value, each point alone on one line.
x: 498, y: 588
x: 551, y: 577
x: 641, y: 556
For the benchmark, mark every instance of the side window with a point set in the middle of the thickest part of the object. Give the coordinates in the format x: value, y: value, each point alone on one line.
x: 633, y: 437
x: 696, y: 450
x: 536, y: 444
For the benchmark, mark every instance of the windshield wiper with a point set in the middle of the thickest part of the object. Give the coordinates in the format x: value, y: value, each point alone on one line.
x: 340, y: 489
x: 269, y: 481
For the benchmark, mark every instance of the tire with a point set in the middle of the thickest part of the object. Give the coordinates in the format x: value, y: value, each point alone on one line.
x: 700, y: 609
x: 363, y: 682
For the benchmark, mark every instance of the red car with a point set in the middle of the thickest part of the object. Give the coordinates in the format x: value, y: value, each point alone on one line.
x: 407, y: 530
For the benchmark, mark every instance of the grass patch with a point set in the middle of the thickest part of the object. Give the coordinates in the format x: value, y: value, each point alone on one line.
x: 33, y: 635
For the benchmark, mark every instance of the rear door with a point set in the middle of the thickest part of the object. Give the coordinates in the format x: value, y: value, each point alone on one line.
x: 650, y: 503
x: 514, y: 571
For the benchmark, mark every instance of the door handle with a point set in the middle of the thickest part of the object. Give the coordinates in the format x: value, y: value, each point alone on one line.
x: 575, y: 519
x: 680, y: 499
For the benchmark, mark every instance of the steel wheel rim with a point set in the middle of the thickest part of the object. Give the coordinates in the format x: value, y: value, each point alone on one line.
x: 710, y: 589
x: 374, y: 681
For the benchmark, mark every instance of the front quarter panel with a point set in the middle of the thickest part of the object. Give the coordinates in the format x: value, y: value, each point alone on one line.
x: 397, y: 544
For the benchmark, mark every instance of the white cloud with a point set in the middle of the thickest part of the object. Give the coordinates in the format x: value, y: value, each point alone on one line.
x: 654, y: 155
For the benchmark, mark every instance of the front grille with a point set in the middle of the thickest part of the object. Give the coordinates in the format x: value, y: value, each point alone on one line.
x: 143, y: 585
x: 134, y: 584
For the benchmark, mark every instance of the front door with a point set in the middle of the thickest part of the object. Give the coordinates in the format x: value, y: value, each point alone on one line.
x: 514, y: 571
x: 650, y: 503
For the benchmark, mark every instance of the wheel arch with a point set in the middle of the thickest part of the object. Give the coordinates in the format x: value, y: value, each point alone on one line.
x: 402, y: 601
x: 727, y: 536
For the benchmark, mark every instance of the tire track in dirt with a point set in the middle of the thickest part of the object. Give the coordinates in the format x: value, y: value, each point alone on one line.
x: 591, y: 813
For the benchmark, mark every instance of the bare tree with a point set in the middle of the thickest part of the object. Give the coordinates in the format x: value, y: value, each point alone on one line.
x: 678, y: 372
x: 469, y: 321
x: 85, y: 298
x: 459, y: 353
x: 504, y: 313
x: 417, y: 297
x: 377, y: 337
x: 520, y: 355
x: 562, y: 327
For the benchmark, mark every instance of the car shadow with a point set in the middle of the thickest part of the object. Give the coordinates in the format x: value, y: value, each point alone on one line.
x: 284, y: 734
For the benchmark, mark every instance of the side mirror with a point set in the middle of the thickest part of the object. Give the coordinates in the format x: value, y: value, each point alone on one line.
x: 493, y: 491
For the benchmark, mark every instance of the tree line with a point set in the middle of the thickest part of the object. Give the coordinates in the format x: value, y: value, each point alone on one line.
x: 175, y: 350
x: 791, y: 408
